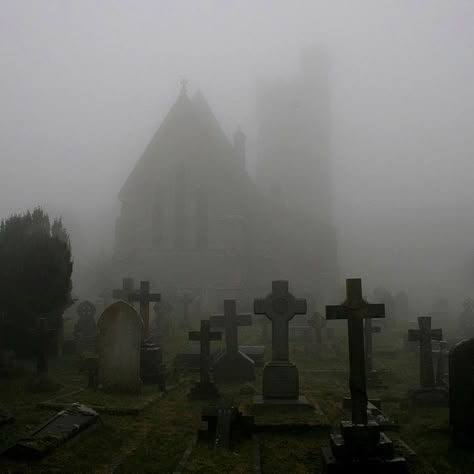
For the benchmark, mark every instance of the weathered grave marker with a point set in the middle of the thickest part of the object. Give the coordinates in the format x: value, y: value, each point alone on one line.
x: 441, y: 354
x: 128, y: 286
x: 466, y: 319
x: 85, y: 330
x: 461, y: 393
x: 280, y: 376
x: 120, y: 334
x: 428, y: 391
x: 144, y: 297
x: 315, y: 345
x: 233, y: 365
x: 56, y: 431
x: 360, y: 446
x: 204, y: 389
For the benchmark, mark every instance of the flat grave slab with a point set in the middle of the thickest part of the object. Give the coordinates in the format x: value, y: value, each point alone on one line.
x: 57, y: 430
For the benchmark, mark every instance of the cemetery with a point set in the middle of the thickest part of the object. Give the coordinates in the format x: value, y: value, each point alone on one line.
x: 248, y: 420
x: 265, y: 269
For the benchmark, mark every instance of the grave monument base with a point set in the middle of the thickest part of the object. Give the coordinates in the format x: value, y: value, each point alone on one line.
x: 361, y: 449
x: 300, y: 403
x: 280, y: 380
x: 152, y: 369
x: 429, y: 396
x: 203, y: 391
x: 234, y: 368
x: 41, y: 383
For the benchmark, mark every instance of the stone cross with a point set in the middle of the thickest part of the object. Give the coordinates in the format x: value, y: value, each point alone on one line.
x: 355, y: 309
x: 144, y: 297
x: 205, y: 336
x: 368, y: 331
x: 280, y: 306
x: 128, y: 286
x: 424, y: 335
x: 230, y: 321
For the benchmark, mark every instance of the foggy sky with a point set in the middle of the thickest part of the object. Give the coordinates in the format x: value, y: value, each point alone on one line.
x: 85, y: 84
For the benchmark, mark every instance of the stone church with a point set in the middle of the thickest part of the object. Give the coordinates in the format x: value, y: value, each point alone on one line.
x: 193, y: 220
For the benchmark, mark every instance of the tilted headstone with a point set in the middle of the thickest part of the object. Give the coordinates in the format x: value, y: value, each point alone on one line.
x: 280, y: 376
x: 56, y: 431
x: 204, y: 389
x: 144, y: 297
x: 120, y: 335
x: 461, y: 392
x: 233, y: 365
x: 360, y: 446
x: 162, y: 310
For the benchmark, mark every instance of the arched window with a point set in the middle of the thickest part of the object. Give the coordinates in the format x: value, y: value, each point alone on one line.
x: 202, y: 220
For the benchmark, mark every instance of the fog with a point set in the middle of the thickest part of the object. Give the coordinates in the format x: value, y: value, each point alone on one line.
x: 84, y: 85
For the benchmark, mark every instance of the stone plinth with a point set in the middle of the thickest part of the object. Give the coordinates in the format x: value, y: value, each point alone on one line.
x: 433, y: 396
x: 361, y: 449
x: 280, y: 380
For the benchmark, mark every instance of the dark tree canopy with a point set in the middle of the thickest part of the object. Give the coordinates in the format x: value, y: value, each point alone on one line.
x: 35, y: 273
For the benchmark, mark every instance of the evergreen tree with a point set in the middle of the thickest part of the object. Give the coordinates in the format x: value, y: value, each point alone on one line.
x: 35, y: 275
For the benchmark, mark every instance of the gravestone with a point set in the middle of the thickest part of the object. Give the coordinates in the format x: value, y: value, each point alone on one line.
x: 120, y: 334
x: 233, y: 365
x: 128, y: 286
x: 41, y: 382
x: 428, y: 391
x: 144, y: 298
x: 56, y: 431
x: 461, y: 393
x: 369, y: 330
x: 441, y: 355
x: 361, y: 446
x: 162, y: 310
x: 280, y: 376
x: 204, y: 389
x: 85, y: 330
x: 225, y: 424
x: 316, y: 324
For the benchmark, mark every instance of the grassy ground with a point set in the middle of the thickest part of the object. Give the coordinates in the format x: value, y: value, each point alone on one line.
x: 154, y: 440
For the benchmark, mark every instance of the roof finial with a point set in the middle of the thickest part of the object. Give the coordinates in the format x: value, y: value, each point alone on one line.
x: 184, y: 86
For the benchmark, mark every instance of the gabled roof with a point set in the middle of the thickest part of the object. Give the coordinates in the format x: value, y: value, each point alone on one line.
x: 188, y: 126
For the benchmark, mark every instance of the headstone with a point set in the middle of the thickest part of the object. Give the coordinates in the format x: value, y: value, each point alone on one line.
x: 56, y: 431
x: 42, y: 382
x: 162, y: 310
x: 120, y: 334
x: 361, y: 446
x: 315, y: 345
x: 233, y: 365
x: 225, y: 423
x: 461, y: 393
x: 186, y: 300
x: 205, y: 388
x: 144, y: 297
x: 441, y: 355
x: 466, y: 319
x: 369, y: 330
x: 85, y: 330
x: 280, y: 376
x: 428, y: 391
